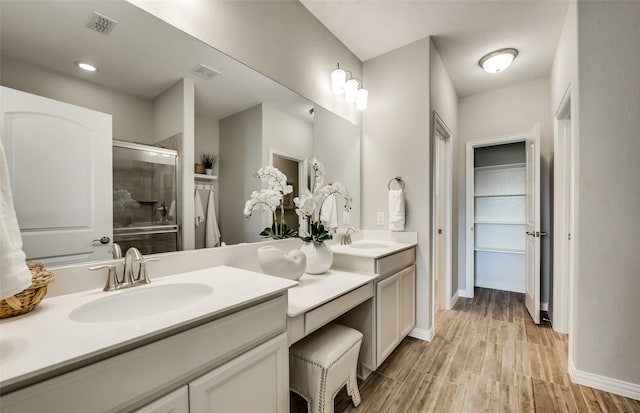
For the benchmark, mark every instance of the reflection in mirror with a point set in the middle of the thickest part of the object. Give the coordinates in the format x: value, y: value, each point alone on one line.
x: 163, y: 88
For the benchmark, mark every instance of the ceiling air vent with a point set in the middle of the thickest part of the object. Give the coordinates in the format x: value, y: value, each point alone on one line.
x: 101, y: 24
x: 204, y: 72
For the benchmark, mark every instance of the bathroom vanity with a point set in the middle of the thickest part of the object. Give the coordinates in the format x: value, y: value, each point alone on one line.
x: 198, y: 358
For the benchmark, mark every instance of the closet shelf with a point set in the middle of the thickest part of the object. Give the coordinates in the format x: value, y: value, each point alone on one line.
x: 516, y: 195
x: 497, y: 222
x: 501, y: 250
x: 206, y: 177
x: 503, y: 166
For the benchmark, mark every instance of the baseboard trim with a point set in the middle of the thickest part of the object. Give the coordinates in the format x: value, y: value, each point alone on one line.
x: 544, y: 306
x: 465, y: 294
x: 608, y: 384
x: 452, y: 301
x: 500, y: 286
x: 422, y: 334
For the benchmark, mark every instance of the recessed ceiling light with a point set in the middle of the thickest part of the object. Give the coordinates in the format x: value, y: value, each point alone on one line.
x: 87, y: 67
x: 498, y: 60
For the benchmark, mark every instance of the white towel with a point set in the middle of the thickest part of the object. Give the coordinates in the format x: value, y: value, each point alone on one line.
x: 212, y: 232
x: 172, y: 209
x: 396, y: 210
x: 14, y: 274
x: 329, y: 212
x: 199, y: 212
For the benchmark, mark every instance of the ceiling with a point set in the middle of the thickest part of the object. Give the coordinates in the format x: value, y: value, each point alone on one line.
x: 142, y: 56
x: 463, y: 31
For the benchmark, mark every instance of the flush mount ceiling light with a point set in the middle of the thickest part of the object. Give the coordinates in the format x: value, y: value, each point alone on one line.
x: 86, y: 66
x: 498, y: 60
x: 351, y: 88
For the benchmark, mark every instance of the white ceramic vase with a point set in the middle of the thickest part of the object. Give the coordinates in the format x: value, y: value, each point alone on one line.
x: 319, y: 257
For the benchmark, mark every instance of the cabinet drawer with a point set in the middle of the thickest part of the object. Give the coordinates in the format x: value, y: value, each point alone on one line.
x: 136, y: 377
x: 395, y: 262
x: 315, y: 319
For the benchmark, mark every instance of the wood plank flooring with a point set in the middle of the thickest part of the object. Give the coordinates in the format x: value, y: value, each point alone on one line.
x: 487, y: 356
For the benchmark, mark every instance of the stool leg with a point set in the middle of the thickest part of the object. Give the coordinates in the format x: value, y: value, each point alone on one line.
x: 352, y: 390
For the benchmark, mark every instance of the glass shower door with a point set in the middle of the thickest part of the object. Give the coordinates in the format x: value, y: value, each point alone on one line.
x: 145, y: 201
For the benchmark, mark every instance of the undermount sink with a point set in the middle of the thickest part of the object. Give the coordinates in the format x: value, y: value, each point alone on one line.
x: 140, y: 302
x: 369, y: 245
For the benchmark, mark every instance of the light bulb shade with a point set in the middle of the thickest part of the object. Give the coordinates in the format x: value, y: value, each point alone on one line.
x: 498, y: 61
x: 338, y: 77
x: 351, y: 90
x: 361, y: 101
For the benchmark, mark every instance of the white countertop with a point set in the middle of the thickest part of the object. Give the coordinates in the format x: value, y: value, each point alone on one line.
x: 387, y: 248
x: 314, y: 290
x: 46, y: 340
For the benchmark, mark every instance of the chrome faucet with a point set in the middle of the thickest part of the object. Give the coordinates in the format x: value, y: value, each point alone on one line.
x: 130, y: 277
x: 346, y: 237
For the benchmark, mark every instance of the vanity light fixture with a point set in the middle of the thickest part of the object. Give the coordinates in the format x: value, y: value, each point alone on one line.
x: 86, y: 66
x: 498, y: 60
x: 352, y: 88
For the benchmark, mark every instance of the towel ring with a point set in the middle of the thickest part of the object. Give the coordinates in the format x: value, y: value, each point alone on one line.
x: 397, y: 178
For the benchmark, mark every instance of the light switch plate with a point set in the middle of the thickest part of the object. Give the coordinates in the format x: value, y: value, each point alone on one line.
x: 380, y: 218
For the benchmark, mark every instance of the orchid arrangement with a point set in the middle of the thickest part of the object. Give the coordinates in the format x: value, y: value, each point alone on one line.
x: 271, y: 199
x: 309, y: 204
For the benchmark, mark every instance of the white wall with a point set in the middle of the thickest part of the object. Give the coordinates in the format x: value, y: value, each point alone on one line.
x: 280, y: 39
x: 207, y: 138
x: 444, y: 100
x: 395, y: 142
x: 285, y: 133
x: 565, y: 63
x: 607, y: 330
x: 132, y: 115
x: 168, y: 112
x: 337, y: 146
x: 503, y: 112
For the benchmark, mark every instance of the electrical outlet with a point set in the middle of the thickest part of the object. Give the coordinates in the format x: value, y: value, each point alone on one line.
x: 380, y: 218
x: 346, y: 217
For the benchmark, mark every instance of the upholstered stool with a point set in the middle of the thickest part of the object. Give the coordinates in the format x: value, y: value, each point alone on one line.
x: 323, y: 362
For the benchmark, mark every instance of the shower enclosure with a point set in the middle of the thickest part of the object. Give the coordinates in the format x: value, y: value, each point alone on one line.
x: 145, y: 198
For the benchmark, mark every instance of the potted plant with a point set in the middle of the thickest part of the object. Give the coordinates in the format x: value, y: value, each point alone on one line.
x: 209, y: 161
x: 309, y: 206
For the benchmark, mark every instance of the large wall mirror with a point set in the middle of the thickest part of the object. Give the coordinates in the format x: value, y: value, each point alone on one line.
x: 160, y: 98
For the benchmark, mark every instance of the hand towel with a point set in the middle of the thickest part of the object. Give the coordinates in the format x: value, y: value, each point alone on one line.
x: 172, y: 209
x: 329, y: 212
x: 212, y: 232
x: 396, y: 210
x: 199, y: 212
x: 14, y: 274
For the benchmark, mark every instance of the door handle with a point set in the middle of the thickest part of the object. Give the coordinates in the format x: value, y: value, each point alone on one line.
x: 439, y: 230
x: 102, y: 240
x: 537, y: 234
x: 533, y: 234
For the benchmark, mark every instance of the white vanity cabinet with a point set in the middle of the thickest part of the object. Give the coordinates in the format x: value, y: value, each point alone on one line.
x: 235, y: 363
x: 389, y: 317
x: 395, y: 311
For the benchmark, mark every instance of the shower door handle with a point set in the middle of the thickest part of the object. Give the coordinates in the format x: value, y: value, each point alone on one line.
x: 103, y: 240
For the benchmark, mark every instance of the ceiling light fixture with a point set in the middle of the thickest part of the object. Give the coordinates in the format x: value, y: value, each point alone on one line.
x: 86, y: 66
x: 498, y: 60
x: 351, y: 88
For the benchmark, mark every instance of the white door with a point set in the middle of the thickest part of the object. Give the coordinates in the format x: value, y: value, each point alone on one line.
x: 442, y: 215
x: 59, y: 158
x: 532, y: 284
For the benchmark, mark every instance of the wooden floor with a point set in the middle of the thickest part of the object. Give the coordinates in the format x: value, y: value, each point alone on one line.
x: 487, y: 356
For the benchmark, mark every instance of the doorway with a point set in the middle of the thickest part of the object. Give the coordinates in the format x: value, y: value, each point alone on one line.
x: 503, y: 216
x: 441, y: 219
x: 294, y: 167
x: 563, y: 207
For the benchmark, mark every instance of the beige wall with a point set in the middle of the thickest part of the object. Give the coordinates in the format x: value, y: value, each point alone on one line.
x: 444, y: 100
x: 395, y: 142
x: 279, y: 39
x: 607, y: 330
x: 502, y: 112
x: 132, y: 115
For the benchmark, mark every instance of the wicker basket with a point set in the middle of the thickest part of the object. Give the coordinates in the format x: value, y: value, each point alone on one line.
x: 199, y: 168
x: 28, y: 299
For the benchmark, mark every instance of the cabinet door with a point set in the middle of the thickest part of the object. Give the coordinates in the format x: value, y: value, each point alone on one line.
x: 387, y: 315
x: 257, y: 381
x: 407, y: 302
x: 175, y: 402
